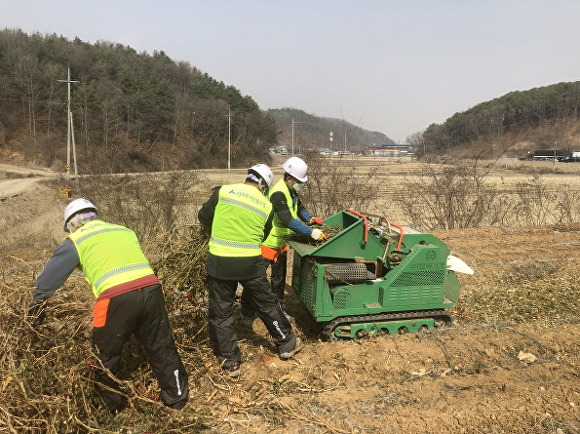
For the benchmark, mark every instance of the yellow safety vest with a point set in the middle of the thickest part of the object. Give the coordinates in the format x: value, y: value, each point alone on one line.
x: 238, y: 223
x: 279, y: 234
x: 109, y: 255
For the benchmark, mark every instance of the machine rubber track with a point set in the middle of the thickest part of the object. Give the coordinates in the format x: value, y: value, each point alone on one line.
x: 436, y: 314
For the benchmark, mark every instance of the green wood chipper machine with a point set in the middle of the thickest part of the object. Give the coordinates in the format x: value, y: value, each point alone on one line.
x: 375, y: 277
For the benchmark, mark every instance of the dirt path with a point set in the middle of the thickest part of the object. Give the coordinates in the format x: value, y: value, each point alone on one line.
x: 15, y: 180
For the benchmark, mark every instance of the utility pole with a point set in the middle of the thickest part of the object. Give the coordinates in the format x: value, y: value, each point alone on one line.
x: 293, y: 123
x: 229, y: 116
x: 331, y: 151
x: 69, y: 124
x: 74, y: 148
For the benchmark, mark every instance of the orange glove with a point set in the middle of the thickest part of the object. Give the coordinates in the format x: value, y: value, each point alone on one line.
x: 315, y: 221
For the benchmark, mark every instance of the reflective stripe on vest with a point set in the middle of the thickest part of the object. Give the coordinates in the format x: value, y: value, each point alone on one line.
x: 235, y: 244
x: 279, y: 233
x: 244, y: 205
x: 238, y: 224
x: 109, y: 255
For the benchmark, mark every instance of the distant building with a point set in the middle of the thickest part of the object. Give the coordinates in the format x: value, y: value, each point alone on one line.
x: 399, y: 150
x: 330, y: 153
x: 282, y: 150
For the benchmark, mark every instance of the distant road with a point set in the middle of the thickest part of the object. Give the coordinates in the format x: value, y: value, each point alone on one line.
x: 17, y: 179
x: 20, y: 179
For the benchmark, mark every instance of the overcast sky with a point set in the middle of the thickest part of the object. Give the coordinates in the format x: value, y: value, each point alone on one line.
x: 394, y: 66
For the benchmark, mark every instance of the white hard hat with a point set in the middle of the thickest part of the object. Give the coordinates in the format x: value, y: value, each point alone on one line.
x: 76, y: 206
x: 265, y: 173
x: 297, y: 168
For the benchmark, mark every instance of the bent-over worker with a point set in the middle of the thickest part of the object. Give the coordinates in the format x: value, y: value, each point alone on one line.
x: 129, y: 299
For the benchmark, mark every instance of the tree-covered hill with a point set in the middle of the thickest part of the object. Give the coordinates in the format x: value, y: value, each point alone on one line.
x: 543, y: 117
x: 136, y: 111
x: 131, y: 111
x: 314, y: 132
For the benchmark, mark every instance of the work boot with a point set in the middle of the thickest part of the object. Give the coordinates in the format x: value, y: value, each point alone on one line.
x: 233, y: 371
x: 288, y: 354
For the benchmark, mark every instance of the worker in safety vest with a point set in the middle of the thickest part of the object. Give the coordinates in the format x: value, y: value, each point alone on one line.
x: 289, y: 217
x: 240, y: 216
x: 129, y: 299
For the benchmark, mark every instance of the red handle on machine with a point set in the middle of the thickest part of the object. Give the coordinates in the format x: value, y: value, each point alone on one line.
x: 366, y: 234
x: 366, y: 223
x: 398, y: 249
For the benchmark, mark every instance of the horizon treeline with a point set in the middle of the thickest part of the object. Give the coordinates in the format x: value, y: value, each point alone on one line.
x: 131, y: 111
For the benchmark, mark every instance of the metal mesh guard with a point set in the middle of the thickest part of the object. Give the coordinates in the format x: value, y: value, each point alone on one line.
x: 308, y: 293
x: 424, y: 278
x: 345, y: 272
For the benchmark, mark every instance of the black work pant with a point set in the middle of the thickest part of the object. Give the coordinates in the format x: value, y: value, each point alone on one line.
x: 277, y: 284
x: 143, y: 313
x: 223, y: 336
x: 278, y: 275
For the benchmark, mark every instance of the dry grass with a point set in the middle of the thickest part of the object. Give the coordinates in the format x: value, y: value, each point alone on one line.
x: 525, y: 290
x: 47, y: 382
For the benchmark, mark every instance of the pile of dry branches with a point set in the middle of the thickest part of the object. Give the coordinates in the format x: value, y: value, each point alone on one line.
x: 180, y: 265
x: 329, y: 232
x: 181, y: 261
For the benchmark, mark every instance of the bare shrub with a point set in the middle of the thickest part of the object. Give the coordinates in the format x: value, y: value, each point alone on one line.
x: 332, y: 188
x: 568, y: 206
x: 452, y: 198
x: 535, y: 201
x: 48, y: 146
x: 148, y: 203
x: 460, y: 197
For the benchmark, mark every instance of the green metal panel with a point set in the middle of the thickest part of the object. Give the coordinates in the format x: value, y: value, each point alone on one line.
x: 311, y: 288
x: 424, y: 265
x: 406, y: 298
x: 302, y: 249
x: 451, y: 287
x: 418, y: 281
x: 355, y: 299
x: 413, y: 273
x: 305, y: 286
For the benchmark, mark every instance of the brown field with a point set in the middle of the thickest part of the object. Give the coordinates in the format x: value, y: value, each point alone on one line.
x: 509, y: 364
